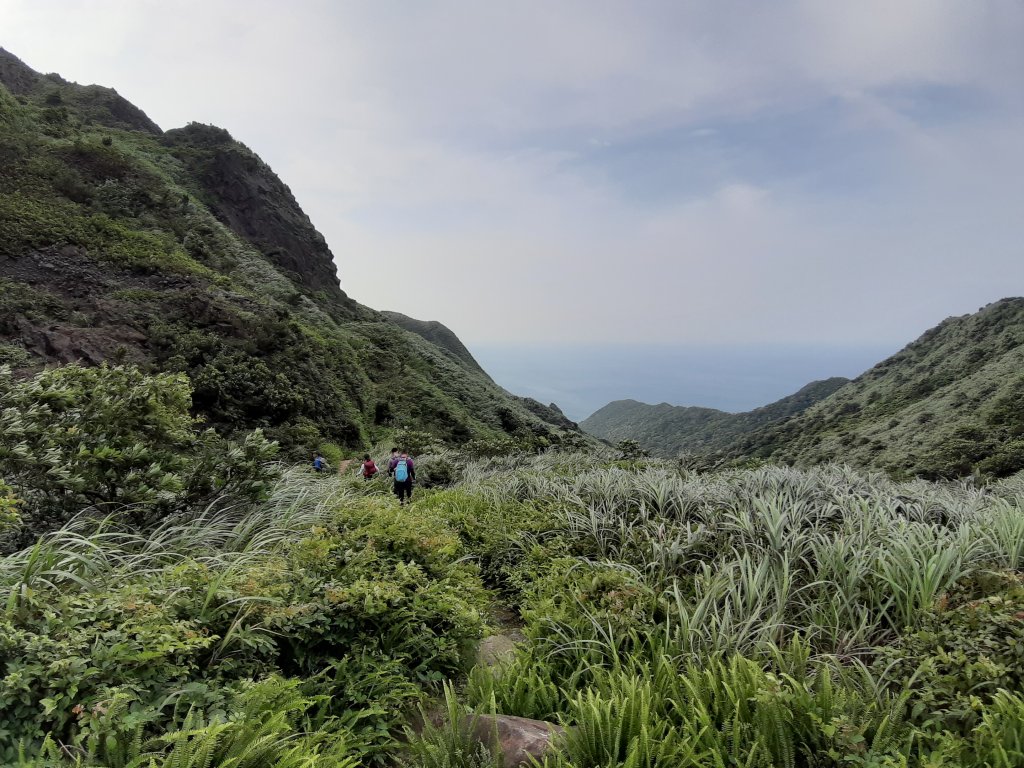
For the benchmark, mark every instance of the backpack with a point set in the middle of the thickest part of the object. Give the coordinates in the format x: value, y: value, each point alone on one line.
x: 318, y: 463
x: 369, y: 469
x: 402, y: 471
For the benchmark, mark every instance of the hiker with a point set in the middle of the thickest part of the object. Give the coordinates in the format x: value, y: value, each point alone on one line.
x: 369, y: 469
x: 319, y: 463
x: 402, y: 469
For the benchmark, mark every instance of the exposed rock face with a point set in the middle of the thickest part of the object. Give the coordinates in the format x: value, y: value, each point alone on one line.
x: 92, y: 346
x: 495, y: 649
x: 247, y: 196
x: 518, y: 739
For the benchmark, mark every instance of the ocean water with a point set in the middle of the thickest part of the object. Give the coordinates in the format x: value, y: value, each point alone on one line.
x: 582, y: 379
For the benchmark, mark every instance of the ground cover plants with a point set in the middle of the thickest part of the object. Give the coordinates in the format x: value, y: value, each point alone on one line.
x: 750, y: 617
x: 769, y: 616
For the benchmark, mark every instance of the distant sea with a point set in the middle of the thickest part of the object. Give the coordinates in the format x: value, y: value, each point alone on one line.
x: 582, y: 379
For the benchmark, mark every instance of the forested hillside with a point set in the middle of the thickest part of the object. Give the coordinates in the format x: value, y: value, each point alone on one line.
x: 669, y: 430
x: 949, y: 404
x: 181, y: 251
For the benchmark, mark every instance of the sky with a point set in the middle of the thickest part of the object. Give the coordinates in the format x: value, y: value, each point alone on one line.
x: 578, y: 172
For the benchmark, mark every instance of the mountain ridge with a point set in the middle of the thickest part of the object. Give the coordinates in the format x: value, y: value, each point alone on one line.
x: 181, y: 250
x: 669, y: 430
x: 440, y: 335
x: 948, y: 404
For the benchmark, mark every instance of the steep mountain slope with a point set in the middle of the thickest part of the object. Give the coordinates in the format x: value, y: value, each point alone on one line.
x: 183, y: 251
x: 670, y: 430
x: 950, y: 403
x: 440, y: 336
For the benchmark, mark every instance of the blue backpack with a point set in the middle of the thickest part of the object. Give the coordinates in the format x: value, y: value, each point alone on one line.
x: 402, y: 471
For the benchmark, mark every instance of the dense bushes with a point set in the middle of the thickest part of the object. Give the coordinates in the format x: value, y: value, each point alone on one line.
x: 362, y: 603
x: 118, y: 441
x: 768, y: 617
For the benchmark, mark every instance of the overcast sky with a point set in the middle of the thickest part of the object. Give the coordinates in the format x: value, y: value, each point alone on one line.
x: 717, y: 172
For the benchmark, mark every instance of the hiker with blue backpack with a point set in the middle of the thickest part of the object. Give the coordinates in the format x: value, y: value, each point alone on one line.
x: 401, y: 468
x: 320, y: 463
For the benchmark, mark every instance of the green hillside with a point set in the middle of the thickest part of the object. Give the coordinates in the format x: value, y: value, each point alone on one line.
x: 670, y: 430
x: 440, y: 335
x: 182, y: 251
x: 948, y: 404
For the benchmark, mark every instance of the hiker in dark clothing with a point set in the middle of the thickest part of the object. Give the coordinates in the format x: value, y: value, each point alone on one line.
x: 402, y: 469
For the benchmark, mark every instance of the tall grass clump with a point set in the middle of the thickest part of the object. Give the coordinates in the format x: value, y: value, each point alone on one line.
x: 805, y: 616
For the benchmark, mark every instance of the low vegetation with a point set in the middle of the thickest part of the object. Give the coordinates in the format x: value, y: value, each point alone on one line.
x: 755, y: 617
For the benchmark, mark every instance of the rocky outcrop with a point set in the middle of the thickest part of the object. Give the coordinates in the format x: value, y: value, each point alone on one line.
x: 92, y: 346
x: 495, y: 649
x: 250, y: 199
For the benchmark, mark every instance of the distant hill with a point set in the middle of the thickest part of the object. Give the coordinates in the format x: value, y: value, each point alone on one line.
x: 181, y: 250
x: 670, y: 430
x: 950, y: 403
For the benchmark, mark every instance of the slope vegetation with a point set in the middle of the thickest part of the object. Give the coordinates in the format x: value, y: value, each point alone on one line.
x: 669, y: 430
x: 439, y: 335
x: 182, y: 251
x: 950, y: 403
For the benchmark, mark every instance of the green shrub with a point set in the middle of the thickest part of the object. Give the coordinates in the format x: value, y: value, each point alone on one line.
x: 62, y: 657
x: 959, y: 660
x: 117, y: 440
x: 260, y: 727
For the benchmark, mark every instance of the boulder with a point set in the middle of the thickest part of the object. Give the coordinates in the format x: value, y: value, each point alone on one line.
x: 517, y: 739
x: 495, y: 649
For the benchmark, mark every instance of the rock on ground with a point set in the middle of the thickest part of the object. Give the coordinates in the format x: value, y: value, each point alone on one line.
x: 517, y: 738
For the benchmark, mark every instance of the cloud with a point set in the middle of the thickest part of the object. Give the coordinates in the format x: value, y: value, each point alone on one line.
x: 728, y: 172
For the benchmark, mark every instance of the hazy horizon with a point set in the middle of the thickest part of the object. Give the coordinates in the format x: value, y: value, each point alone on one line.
x: 580, y: 379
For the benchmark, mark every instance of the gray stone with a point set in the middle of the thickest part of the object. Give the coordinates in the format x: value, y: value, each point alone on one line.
x: 495, y: 649
x: 516, y: 738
